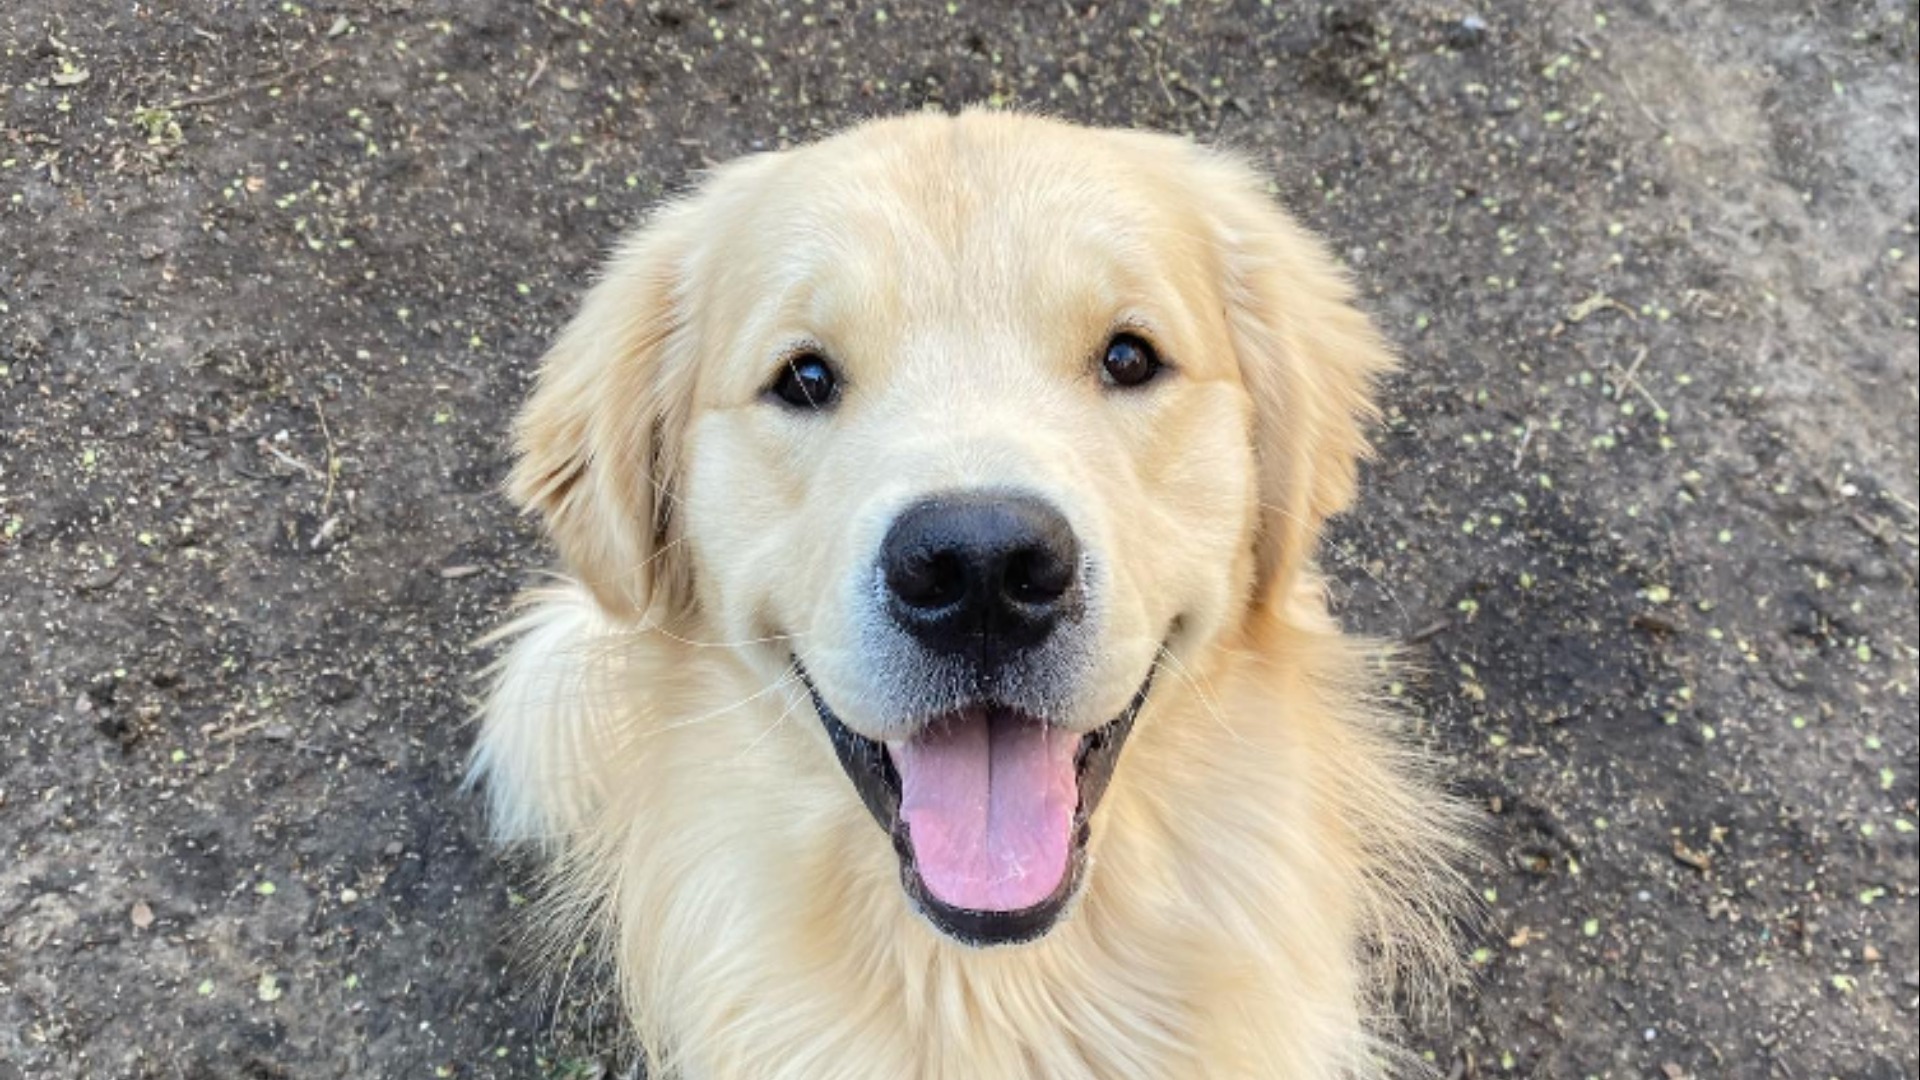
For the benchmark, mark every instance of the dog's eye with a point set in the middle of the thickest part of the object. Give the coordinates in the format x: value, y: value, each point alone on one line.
x: 807, y: 383
x: 1130, y: 361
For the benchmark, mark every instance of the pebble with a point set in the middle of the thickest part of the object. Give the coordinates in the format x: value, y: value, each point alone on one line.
x: 1469, y: 32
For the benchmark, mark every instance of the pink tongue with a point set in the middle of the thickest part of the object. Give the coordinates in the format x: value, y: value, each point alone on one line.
x: 988, y: 798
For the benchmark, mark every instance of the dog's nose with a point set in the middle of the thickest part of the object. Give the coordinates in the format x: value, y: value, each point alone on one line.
x: 981, y: 574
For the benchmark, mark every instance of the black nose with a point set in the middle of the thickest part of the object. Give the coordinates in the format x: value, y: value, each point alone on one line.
x: 982, y: 575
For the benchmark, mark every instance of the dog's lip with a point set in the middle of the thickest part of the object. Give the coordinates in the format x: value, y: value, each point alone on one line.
x: 870, y: 767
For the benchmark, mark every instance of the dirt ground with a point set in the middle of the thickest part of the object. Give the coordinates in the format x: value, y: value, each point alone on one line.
x: 273, y: 276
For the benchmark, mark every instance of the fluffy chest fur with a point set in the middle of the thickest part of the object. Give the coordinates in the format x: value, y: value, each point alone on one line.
x: 1266, y: 835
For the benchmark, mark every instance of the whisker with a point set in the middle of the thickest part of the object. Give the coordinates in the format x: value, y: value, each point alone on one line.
x: 655, y: 628
x: 792, y: 675
x: 649, y: 560
x: 777, y: 721
x: 628, y: 449
x: 1347, y: 558
x: 1204, y: 694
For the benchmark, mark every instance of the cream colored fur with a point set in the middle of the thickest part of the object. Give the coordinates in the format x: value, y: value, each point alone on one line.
x: 1268, y: 859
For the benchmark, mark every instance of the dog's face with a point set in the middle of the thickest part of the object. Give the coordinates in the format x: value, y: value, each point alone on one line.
x: 965, y: 425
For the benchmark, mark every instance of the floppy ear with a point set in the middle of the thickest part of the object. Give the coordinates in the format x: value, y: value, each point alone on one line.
x: 1309, y: 360
x: 599, y: 440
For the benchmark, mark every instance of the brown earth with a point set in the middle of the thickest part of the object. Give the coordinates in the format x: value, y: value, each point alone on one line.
x: 273, y: 275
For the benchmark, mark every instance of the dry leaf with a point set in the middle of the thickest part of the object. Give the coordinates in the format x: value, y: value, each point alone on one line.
x: 1699, y: 860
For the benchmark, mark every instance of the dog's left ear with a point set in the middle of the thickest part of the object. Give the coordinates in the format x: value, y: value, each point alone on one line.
x: 1309, y: 359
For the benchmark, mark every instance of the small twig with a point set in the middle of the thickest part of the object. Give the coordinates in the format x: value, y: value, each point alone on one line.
x: 247, y: 88
x: 1878, y: 528
x: 1160, y: 74
x: 1633, y: 94
x: 1630, y: 380
x: 539, y: 69
x: 1526, y: 440
x: 333, y: 456
x: 1348, y: 558
x: 1633, y: 369
x: 1587, y: 309
x: 289, y: 460
x: 235, y: 732
x: 1896, y: 500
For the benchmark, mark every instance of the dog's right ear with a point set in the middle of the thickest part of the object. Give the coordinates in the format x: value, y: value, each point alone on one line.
x: 599, y: 441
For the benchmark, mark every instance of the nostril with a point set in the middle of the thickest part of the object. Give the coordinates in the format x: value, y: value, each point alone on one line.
x: 929, y: 580
x: 1037, y: 576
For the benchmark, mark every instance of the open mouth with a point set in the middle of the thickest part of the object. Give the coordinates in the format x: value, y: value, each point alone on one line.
x: 987, y: 808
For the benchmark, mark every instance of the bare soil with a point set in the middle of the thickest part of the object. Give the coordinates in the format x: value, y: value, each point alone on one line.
x: 274, y: 275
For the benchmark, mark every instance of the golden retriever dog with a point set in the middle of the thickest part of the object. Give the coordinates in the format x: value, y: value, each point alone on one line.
x: 943, y: 688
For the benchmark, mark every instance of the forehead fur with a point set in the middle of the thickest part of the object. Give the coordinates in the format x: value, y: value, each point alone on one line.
x: 927, y: 224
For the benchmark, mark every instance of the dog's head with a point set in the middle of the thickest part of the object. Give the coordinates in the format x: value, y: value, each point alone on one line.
x: 969, y: 423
